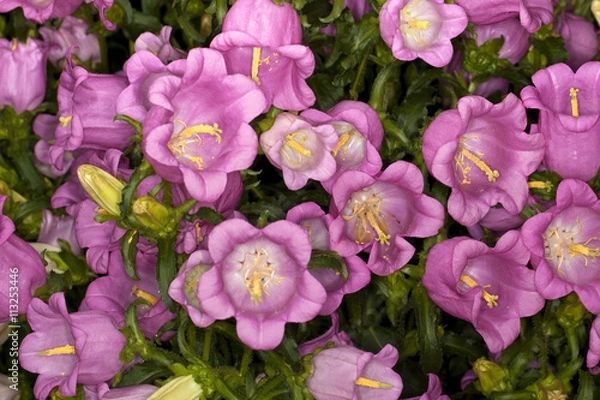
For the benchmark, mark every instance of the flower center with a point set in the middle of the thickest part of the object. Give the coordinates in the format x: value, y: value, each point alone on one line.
x: 413, y: 25
x: 368, y: 217
x: 475, y: 157
x: 351, y: 146
x: 293, y: 148
x: 257, y: 61
x: 560, y: 244
x: 467, y: 283
x: 372, y: 384
x: 190, y: 289
x: 259, y: 274
x: 574, y: 102
x: 58, y: 351
x: 195, y: 145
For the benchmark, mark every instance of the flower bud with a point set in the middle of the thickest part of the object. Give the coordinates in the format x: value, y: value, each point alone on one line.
x: 102, y: 187
x: 492, y: 377
x: 182, y: 387
x: 152, y: 213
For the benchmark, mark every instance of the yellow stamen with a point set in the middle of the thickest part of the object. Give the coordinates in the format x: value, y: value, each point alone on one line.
x: 492, y: 175
x: 341, y: 142
x: 382, y: 237
x: 368, y: 213
x: 372, y: 384
x: 64, y: 121
x: 413, y: 24
x: 213, y: 130
x: 144, y: 295
x: 419, y: 24
x: 545, y: 185
x: 259, y: 276
x: 58, y: 351
x: 577, y: 249
x: 490, y: 299
x: 468, y: 280
x: 14, y: 44
x: 198, y: 161
x: 290, y: 141
x: 255, y: 63
x: 574, y: 103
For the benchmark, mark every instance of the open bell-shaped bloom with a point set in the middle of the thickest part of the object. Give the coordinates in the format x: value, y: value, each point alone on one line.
x: 159, y: 45
x: 345, y: 372
x: 72, y: 32
x: 300, y: 149
x: 263, y: 40
x: 481, y: 151
x: 490, y: 287
x: 377, y: 213
x: 360, y: 134
x: 569, y: 117
x: 197, y: 130
x: 421, y: 29
x: 565, y: 245
x: 260, y: 277
x: 67, y: 349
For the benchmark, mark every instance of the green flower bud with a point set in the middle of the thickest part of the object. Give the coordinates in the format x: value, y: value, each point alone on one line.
x: 102, y: 187
x: 492, y: 377
x: 180, y: 388
x: 152, y: 213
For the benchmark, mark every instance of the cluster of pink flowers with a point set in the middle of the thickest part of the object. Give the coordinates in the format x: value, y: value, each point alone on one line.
x: 195, y: 111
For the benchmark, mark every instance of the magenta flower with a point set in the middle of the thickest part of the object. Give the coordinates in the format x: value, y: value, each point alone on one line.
x: 260, y: 277
x: 22, y: 268
x: 300, y: 149
x: 86, y: 111
x: 481, y: 151
x: 262, y: 40
x: 313, y: 219
x: 360, y: 134
x: 346, y: 372
x: 376, y: 214
x: 581, y: 39
x: 333, y: 334
x: 184, y: 288
x: 492, y: 288
x: 54, y: 228
x: 103, y: 392
x: 569, y: 117
x: 421, y: 29
x: 531, y: 13
x: 21, y: 63
x: 516, y: 38
x: 565, y: 246
x: 41, y: 11
x: 434, y: 390
x: 72, y: 32
x: 66, y: 349
x: 113, y: 293
x: 44, y: 126
x: 197, y: 129
x: 159, y: 45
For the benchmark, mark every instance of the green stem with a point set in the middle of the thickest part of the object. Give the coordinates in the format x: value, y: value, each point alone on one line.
x: 538, y: 324
x: 246, y: 359
x: 207, y: 343
x: 224, y: 390
x: 573, y: 342
x: 359, y: 73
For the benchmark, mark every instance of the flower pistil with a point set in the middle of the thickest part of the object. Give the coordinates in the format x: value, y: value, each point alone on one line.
x: 475, y: 158
x: 57, y: 351
x: 372, y: 384
x: 259, y: 274
x: 466, y: 280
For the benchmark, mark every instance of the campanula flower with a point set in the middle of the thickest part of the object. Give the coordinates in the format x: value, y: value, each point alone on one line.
x: 263, y: 40
x: 72, y: 32
x: 565, y: 245
x: 300, y: 149
x: 197, y: 130
x: 531, y: 13
x: 103, y: 392
x: 481, y: 151
x: 260, y: 277
x: 581, y: 39
x: 41, y: 11
x: 421, y: 29
x: 345, y: 372
x: 22, y: 268
x: 516, y: 38
x: 375, y: 214
x: 434, y: 390
x: 360, y: 134
x: 22, y: 74
x: 316, y: 222
x: 490, y: 287
x: 569, y: 117
x: 67, y: 349
x: 184, y: 288
x: 54, y: 228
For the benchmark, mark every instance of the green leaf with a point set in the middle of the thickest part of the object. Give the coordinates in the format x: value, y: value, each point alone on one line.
x: 327, y: 259
x: 336, y: 11
x: 166, y: 269
x: 427, y: 317
x: 553, y: 48
x: 210, y: 215
x: 126, y: 6
x: 146, y: 372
